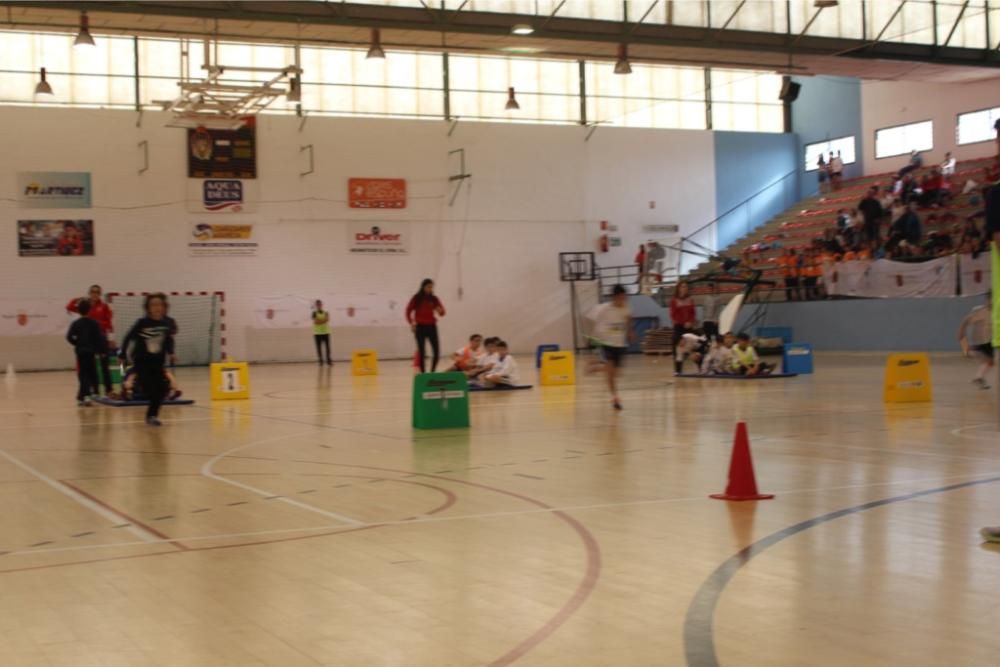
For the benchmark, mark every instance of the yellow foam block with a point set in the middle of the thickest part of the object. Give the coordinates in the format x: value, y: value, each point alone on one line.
x: 229, y: 380
x: 364, y: 362
x: 908, y: 378
x: 558, y: 368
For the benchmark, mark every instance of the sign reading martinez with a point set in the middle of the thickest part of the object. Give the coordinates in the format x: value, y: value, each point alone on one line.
x: 53, y: 189
x: 378, y: 240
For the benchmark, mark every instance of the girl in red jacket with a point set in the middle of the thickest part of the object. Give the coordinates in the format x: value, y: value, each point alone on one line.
x: 682, y: 317
x: 101, y: 313
x: 422, y: 313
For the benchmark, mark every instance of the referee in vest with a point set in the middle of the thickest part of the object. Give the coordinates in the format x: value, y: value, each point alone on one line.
x: 321, y: 332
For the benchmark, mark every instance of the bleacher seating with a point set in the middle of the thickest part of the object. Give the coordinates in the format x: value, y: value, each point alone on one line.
x: 809, y: 219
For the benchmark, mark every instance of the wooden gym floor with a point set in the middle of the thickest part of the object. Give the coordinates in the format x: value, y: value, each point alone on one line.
x: 311, y: 526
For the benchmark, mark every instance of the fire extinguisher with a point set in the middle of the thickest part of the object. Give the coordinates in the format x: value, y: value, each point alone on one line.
x: 602, y: 243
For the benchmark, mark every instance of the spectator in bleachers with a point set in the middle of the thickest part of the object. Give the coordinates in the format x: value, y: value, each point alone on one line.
x: 932, y: 189
x: 871, y: 211
x: 682, y: 317
x: 905, y: 228
x: 789, y: 263
x: 843, y: 218
x: 836, y: 170
x: 821, y: 173
x: 948, y: 166
x: 909, y: 189
x: 640, y: 262
x: 916, y: 161
x: 811, y: 271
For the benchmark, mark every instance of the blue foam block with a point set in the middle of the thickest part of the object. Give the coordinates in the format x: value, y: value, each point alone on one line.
x: 499, y: 387
x: 121, y: 403
x: 737, y: 377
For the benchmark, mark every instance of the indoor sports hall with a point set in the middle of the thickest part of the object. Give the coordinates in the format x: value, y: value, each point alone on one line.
x: 426, y: 333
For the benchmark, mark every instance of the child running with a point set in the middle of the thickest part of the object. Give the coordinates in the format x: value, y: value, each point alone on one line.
x: 979, y: 325
x: 151, y: 340
x: 613, y: 332
x: 88, y: 341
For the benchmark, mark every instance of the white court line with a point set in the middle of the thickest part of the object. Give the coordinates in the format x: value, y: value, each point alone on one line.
x: 207, y: 471
x: 492, y: 515
x: 105, y: 513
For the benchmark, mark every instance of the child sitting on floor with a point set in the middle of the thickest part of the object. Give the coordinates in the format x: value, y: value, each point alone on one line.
x: 469, y: 356
x: 745, y: 360
x: 504, y: 371
x: 690, y: 346
x: 719, y: 359
x: 485, y: 362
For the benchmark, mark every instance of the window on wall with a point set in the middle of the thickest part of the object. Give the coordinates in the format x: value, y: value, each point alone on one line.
x: 901, y: 139
x: 977, y: 126
x: 546, y: 90
x: 746, y: 101
x: 843, y: 145
x: 651, y: 96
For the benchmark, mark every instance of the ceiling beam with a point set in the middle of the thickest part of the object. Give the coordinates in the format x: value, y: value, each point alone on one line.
x: 566, y: 30
x: 958, y: 19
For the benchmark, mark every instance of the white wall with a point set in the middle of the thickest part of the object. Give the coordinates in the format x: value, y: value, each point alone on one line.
x: 887, y: 103
x: 534, y: 191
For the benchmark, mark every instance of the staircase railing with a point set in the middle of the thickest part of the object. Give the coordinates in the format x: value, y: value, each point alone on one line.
x: 772, y: 199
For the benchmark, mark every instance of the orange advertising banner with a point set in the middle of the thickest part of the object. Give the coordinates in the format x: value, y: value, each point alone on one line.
x: 376, y: 192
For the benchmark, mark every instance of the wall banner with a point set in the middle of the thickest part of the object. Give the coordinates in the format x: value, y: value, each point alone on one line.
x: 222, y: 195
x: 885, y: 278
x: 34, y: 317
x: 384, y: 239
x: 376, y: 193
x: 292, y: 311
x: 55, y: 238
x: 218, y: 240
x: 53, y: 189
x: 223, y: 153
x: 975, y: 273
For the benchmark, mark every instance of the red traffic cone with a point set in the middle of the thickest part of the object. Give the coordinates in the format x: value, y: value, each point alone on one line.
x: 742, y: 481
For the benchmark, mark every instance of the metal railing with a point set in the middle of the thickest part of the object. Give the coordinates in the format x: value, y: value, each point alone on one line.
x: 738, y: 221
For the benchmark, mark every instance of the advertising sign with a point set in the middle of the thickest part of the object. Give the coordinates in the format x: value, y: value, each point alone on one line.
x: 55, y: 238
x: 382, y: 239
x: 376, y: 193
x: 222, y: 195
x: 223, y: 153
x: 33, y: 317
x: 53, y: 189
x: 217, y: 240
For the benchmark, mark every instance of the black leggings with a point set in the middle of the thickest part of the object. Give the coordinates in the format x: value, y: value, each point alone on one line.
x: 428, y: 332
x: 87, y: 375
x: 154, y: 385
x: 323, y: 341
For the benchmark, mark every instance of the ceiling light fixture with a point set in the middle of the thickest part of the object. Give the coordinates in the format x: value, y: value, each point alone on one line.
x: 825, y: 4
x: 622, y: 65
x: 522, y: 29
x: 375, y: 51
x: 512, y: 104
x: 43, y: 87
x: 84, y: 38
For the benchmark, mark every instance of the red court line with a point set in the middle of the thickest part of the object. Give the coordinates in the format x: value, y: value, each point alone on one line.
x: 126, y: 517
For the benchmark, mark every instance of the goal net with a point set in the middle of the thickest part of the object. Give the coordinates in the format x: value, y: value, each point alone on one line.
x: 199, y: 315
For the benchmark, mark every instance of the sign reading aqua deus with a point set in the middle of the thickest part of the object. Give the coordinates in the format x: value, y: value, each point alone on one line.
x: 53, y: 189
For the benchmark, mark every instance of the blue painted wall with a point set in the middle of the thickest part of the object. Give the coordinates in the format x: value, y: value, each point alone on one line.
x: 828, y: 107
x: 746, y: 163
x: 913, y: 325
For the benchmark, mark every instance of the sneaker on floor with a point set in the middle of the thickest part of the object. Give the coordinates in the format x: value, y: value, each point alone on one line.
x: 85, y: 403
x: 990, y: 533
x: 617, y: 405
x: 153, y: 421
x: 981, y: 383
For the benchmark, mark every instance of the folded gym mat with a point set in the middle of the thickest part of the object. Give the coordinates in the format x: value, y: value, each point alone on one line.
x: 499, y: 387
x: 121, y: 403
x: 738, y: 377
